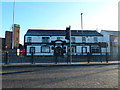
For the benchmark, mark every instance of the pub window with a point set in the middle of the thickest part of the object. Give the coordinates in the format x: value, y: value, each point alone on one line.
x: 73, y: 39
x: 95, y: 39
x: 58, y: 38
x: 73, y: 49
x: 83, y: 39
x: 45, y: 49
x: 32, y: 49
x: 95, y: 49
x: 28, y: 39
x: 45, y: 39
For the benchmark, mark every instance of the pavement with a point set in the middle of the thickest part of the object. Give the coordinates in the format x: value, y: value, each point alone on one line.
x: 59, y: 64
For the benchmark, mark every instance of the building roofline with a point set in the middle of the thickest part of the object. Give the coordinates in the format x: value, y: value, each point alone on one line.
x: 43, y: 32
x: 61, y: 29
x: 110, y: 30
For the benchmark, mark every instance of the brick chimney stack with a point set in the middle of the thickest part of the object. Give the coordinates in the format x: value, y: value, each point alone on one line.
x: 16, y: 36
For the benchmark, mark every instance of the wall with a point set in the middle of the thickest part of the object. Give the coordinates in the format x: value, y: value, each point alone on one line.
x: 106, y: 38
x: 16, y: 36
x: 114, y: 46
x: 38, y: 39
x: 0, y: 44
x: 38, y: 50
x: 89, y: 39
x: 8, y: 39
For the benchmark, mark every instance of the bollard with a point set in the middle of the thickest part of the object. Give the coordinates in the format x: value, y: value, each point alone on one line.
x: 32, y: 59
x: 101, y: 57
x: 55, y: 59
x: 106, y: 57
x: 88, y: 57
x: 6, y: 58
x: 67, y: 59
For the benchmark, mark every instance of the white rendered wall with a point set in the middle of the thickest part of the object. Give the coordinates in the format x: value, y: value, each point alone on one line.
x: 103, y: 50
x: 79, y: 49
x: 36, y: 39
x: 78, y: 39
x: 106, y: 38
x: 38, y: 50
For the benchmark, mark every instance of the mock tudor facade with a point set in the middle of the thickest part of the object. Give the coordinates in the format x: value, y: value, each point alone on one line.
x: 44, y: 42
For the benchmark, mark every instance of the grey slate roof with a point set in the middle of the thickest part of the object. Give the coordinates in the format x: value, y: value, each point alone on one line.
x: 42, y: 32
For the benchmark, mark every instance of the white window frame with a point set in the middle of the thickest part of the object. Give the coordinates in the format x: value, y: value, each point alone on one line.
x: 95, y: 39
x: 58, y: 38
x: 29, y: 39
x: 45, y: 40
x: 84, y: 39
x: 45, y: 51
x: 95, y: 49
x: 73, y: 40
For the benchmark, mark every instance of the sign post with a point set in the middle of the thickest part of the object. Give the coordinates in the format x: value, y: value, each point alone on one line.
x: 68, y: 37
x: 70, y: 48
x: 32, y: 51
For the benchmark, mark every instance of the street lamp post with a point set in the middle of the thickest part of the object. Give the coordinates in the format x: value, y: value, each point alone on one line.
x: 13, y: 25
x: 81, y: 22
x: 70, y: 48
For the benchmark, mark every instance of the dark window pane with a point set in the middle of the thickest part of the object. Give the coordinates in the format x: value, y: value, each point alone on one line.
x: 45, y: 49
x: 45, y: 39
x: 28, y: 39
x: 83, y: 39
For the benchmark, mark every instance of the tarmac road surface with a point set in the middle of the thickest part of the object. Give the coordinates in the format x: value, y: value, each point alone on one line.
x: 97, y: 76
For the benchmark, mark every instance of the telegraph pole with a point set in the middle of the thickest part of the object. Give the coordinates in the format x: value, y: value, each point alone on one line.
x: 68, y: 37
x: 13, y: 25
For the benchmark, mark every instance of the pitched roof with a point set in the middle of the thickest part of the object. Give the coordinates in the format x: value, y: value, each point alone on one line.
x: 43, y: 32
x: 111, y: 32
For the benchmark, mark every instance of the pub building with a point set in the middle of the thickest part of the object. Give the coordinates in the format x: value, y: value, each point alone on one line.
x: 43, y: 42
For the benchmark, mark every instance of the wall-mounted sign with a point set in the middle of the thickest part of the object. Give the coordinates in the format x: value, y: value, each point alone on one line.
x: 58, y: 42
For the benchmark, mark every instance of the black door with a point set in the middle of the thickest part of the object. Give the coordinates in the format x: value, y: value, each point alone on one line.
x: 58, y: 51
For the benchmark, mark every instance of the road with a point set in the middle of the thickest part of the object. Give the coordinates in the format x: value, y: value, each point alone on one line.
x: 97, y: 76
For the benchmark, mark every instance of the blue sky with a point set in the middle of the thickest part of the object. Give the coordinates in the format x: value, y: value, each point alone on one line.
x: 97, y: 14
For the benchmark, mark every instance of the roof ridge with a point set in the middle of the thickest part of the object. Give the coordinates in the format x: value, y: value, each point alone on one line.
x: 62, y: 32
x: 58, y: 29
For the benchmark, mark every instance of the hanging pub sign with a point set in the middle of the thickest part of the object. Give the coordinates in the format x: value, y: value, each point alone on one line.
x: 58, y: 42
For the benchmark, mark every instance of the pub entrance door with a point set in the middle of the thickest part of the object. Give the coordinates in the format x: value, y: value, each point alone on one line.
x: 58, y: 51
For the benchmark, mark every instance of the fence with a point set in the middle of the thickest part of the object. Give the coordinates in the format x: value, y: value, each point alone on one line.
x: 12, y: 57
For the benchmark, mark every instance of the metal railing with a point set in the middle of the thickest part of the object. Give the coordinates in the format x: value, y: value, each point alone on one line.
x: 12, y: 57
